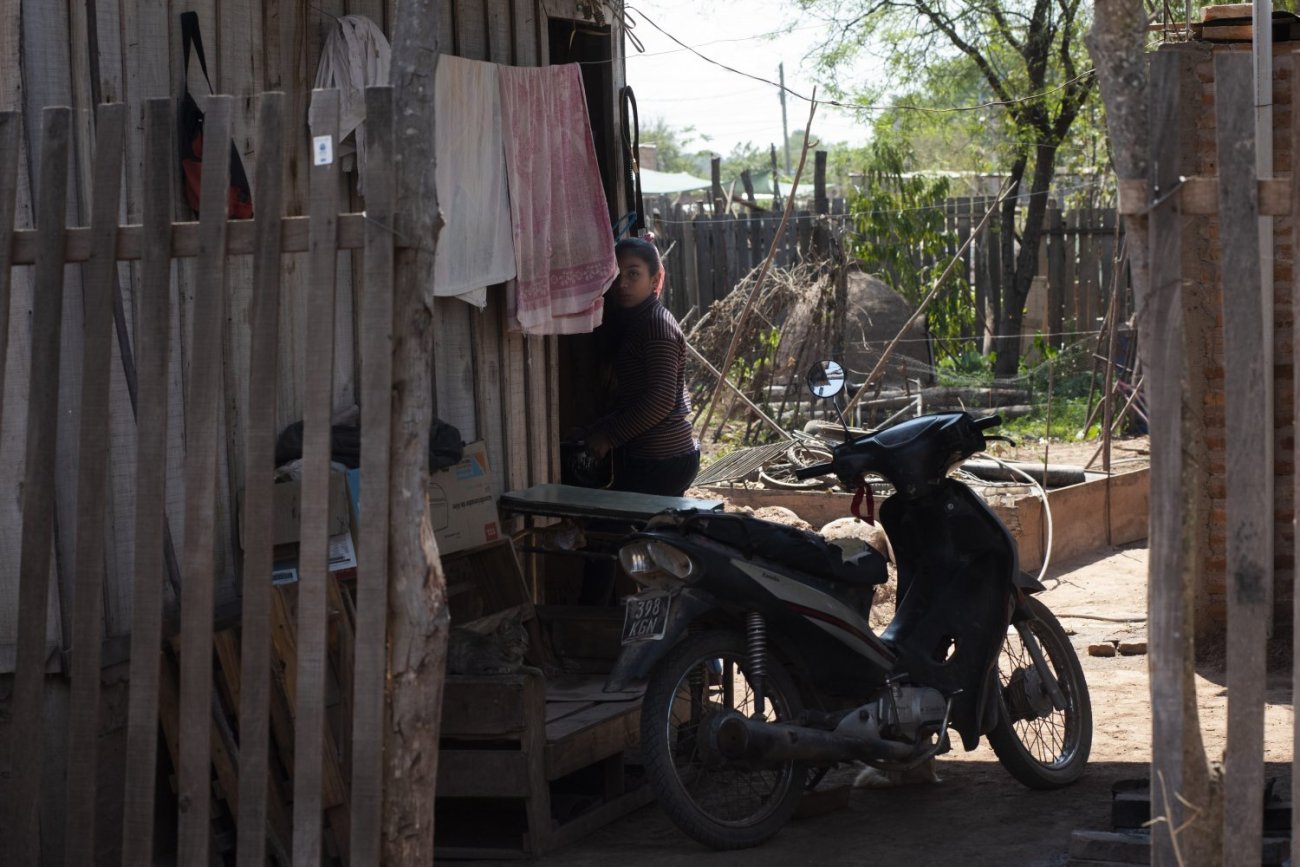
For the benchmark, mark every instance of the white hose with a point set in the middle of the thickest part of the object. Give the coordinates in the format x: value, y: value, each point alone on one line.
x: 1047, y: 510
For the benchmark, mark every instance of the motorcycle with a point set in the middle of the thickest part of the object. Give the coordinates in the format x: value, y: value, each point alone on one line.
x: 762, y: 671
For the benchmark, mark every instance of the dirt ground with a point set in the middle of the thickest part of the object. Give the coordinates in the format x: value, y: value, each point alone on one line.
x: 977, y: 814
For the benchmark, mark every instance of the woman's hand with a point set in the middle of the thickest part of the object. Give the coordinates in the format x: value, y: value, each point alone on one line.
x: 598, y: 445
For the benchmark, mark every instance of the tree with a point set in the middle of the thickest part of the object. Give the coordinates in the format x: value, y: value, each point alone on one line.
x: 673, y: 151
x: 1030, y: 58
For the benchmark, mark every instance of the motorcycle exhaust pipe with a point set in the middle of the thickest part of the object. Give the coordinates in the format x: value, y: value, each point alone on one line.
x: 737, y: 737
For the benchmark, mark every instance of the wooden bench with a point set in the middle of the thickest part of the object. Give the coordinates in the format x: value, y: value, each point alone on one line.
x: 519, y: 775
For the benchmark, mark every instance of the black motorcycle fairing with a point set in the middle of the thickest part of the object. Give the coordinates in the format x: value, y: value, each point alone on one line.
x: 955, y: 566
x: 778, y: 543
x: 913, y: 455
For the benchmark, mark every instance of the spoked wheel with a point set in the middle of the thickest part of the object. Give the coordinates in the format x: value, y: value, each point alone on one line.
x: 1042, y: 744
x: 722, y: 804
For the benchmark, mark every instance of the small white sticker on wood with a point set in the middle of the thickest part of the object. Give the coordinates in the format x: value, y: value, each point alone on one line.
x: 322, y: 147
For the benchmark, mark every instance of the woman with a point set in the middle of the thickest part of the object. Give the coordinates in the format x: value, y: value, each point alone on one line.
x: 654, y: 449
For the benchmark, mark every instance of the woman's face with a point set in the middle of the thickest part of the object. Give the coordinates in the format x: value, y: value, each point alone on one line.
x: 634, y: 283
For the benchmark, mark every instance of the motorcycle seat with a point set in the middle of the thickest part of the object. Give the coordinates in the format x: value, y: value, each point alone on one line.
x: 783, y: 544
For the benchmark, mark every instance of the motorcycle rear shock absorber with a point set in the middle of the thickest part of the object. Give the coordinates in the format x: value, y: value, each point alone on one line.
x: 756, y: 638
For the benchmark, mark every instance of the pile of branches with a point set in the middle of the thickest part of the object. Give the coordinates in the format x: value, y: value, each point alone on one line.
x: 797, y: 319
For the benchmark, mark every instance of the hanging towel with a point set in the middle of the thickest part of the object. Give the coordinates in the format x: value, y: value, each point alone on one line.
x: 564, y: 248
x: 475, y: 249
x: 355, y: 56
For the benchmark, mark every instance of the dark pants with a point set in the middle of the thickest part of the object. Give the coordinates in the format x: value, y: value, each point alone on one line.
x: 668, y: 477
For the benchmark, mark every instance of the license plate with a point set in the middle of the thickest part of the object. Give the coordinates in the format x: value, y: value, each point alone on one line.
x: 645, y: 617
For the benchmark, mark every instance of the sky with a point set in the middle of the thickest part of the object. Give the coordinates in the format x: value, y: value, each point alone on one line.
x: 674, y: 84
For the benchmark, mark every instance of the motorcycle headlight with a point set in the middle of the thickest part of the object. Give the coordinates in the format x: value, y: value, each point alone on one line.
x: 654, y: 563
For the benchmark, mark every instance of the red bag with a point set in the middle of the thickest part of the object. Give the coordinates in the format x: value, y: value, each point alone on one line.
x: 239, y: 198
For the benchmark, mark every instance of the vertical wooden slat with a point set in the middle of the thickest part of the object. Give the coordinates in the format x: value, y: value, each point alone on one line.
x: 255, y: 637
x: 9, y: 130
x: 539, y: 461
x: 92, y: 494
x: 38, y: 490
x: 1160, y: 324
x: 527, y: 25
x: 313, y: 547
x: 1295, y: 404
x: 152, y: 343
x: 376, y: 306
x: 202, y: 441
x: 1250, y: 510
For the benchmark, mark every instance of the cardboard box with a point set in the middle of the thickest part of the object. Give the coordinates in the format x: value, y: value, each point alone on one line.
x: 462, y: 507
x: 286, y: 510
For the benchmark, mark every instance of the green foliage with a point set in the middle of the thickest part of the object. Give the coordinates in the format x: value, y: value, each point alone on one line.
x: 900, y: 235
x: 966, y: 369
x: 1068, y: 416
x: 674, y: 146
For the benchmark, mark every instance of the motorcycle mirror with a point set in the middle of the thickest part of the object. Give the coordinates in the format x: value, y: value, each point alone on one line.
x: 826, y: 379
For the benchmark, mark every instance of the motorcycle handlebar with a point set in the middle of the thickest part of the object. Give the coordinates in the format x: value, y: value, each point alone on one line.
x: 812, y: 471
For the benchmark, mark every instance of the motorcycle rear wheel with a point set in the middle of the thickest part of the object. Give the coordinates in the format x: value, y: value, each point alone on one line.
x: 722, y: 804
x: 1041, y: 746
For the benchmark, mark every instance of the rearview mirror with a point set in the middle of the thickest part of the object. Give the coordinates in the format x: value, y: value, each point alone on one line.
x: 826, y: 379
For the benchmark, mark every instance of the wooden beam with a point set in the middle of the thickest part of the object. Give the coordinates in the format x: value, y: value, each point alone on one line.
x: 376, y: 304
x: 1160, y: 325
x: 202, y: 442
x: 1249, y: 508
x: 259, y: 465
x: 241, y: 239
x: 313, y: 554
x: 152, y: 353
x: 23, y: 787
x: 92, y: 490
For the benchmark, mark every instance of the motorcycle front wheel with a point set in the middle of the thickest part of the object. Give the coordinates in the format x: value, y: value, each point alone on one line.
x: 722, y: 804
x: 1041, y: 745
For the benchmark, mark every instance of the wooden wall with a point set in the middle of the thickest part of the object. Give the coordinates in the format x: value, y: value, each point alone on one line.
x: 491, y: 384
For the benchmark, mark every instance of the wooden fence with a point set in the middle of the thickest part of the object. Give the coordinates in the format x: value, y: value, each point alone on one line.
x: 708, y: 254
x: 242, y: 712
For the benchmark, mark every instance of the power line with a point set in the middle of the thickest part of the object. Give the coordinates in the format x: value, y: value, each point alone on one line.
x: 861, y: 106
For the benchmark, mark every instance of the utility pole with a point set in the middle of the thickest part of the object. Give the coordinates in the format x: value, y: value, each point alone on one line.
x: 785, y: 120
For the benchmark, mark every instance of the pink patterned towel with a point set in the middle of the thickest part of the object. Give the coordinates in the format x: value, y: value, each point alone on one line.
x: 564, y: 247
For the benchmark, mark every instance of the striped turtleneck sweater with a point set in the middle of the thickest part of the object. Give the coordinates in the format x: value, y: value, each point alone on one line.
x: 649, y: 420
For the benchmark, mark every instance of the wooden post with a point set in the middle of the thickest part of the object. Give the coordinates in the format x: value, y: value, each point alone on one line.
x: 715, y: 172
x: 9, y: 144
x: 1295, y: 332
x: 92, y: 489
x: 202, y: 442
x: 417, y: 600
x: 153, y: 350
x: 821, y: 205
x: 776, y: 186
x: 259, y: 466
x: 747, y: 181
x: 1249, y: 508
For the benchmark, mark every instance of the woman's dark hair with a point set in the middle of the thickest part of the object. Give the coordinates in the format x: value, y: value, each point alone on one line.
x: 643, y: 250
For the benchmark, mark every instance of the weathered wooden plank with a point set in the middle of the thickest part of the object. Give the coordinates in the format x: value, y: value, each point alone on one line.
x: 92, y: 495
x: 1249, y: 508
x: 527, y: 30
x: 152, y: 350
x: 255, y: 632
x: 514, y: 395
x: 453, y: 352
x: 202, y: 443
x: 376, y: 305
x: 538, y: 410
x: 38, y: 495
x: 471, y: 29
x: 313, y: 548
x: 1160, y: 324
x: 240, y: 239
x: 553, y: 404
x: 500, y: 35
x: 488, y: 382
x: 1295, y: 385
x: 9, y: 144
